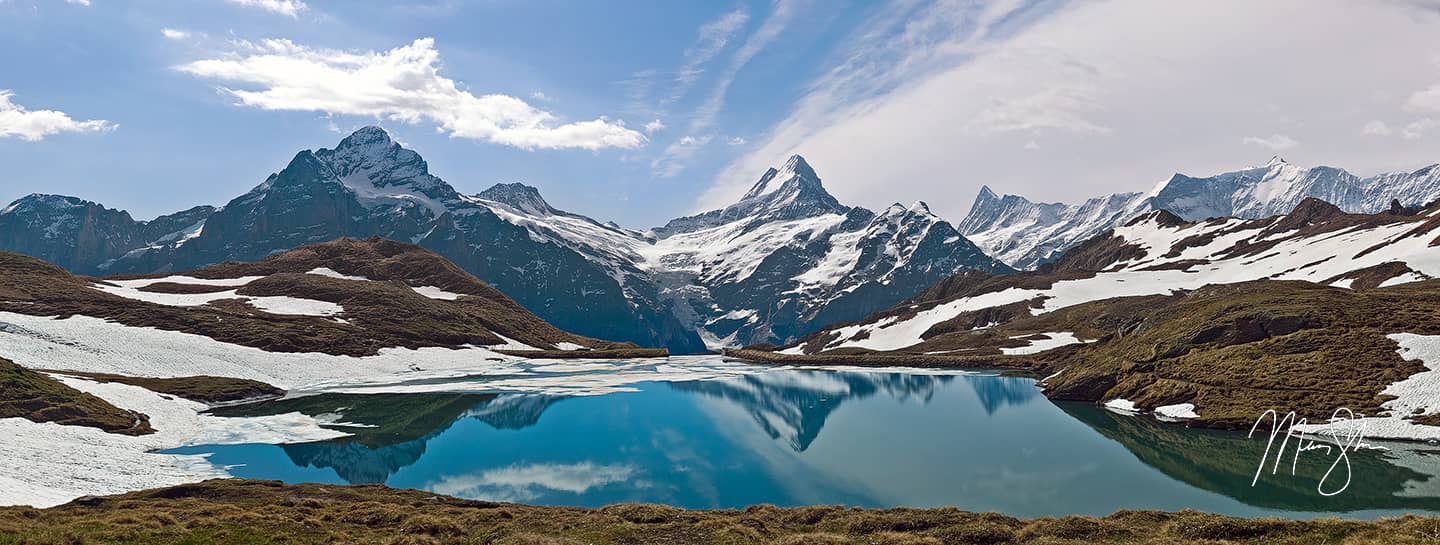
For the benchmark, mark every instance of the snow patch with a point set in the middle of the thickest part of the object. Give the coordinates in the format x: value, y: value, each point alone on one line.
x: 1417, y: 395
x: 1121, y: 405
x: 437, y: 293
x: 326, y: 271
x: 1179, y: 411
x: 49, y: 464
x: 1056, y: 340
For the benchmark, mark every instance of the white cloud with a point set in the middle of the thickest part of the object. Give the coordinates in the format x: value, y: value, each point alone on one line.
x: 654, y: 126
x: 540, y: 96
x: 710, y: 41
x: 736, y: 141
x: 401, y: 84
x: 672, y: 161
x: 1032, y: 145
x: 289, y: 8
x: 931, y: 99
x: 17, y: 122
x: 713, y: 37
x: 779, y: 18
x: 1274, y: 142
x: 1063, y: 108
x: 1376, y: 127
x: 78, y: 2
x: 1426, y: 101
x: 174, y: 34
x: 1416, y: 129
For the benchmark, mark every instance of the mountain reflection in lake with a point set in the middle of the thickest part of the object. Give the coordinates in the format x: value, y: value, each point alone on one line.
x: 793, y: 437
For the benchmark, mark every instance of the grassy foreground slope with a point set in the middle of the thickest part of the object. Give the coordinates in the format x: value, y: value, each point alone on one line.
x: 264, y: 512
x: 38, y: 398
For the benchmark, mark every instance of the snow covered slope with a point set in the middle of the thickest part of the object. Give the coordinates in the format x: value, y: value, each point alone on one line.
x: 1159, y: 253
x: 1025, y: 234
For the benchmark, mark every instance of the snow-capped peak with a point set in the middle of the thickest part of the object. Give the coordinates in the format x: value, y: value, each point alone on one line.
x: 366, y: 136
x: 919, y: 207
x: 774, y: 179
x: 32, y: 200
x: 519, y: 196
x: 1275, y: 161
x: 44, y: 200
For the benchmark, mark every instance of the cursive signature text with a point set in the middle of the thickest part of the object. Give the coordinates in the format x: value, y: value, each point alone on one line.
x: 1342, y: 440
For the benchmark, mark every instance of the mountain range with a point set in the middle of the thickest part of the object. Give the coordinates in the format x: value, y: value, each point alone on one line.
x: 1025, y: 234
x: 784, y: 260
x: 1211, y: 322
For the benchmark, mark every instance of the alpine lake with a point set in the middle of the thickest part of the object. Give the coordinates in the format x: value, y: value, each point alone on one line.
x: 785, y: 436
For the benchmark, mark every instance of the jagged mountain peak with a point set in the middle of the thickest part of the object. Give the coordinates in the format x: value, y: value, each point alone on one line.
x: 795, y: 173
x: 304, y: 168
x: 519, y: 196
x: 1162, y: 218
x: 371, y: 149
x: 1275, y: 160
x: 917, y: 208
x: 369, y: 135
x: 44, y: 200
x: 986, y: 194
x: 793, y: 190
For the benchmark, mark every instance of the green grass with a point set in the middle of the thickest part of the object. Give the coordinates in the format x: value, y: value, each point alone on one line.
x: 205, y: 389
x: 226, y: 512
x: 38, y: 398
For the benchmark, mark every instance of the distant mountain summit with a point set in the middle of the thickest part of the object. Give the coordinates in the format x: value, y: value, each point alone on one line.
x: 77, y: 234
x: 783, y: 260
x: 521, y: 197
x: 1024, y: 234
x: 788, y: 258
x: 790, y: 192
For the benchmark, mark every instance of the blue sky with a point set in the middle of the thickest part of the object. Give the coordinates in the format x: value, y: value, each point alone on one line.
x: 158, y: 105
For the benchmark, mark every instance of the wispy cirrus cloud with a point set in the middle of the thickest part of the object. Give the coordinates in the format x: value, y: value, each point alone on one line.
x: 712, y: 40
x: 1376, y: 127
x: 930, y: 99
x: 35, y: 125
x: 1274, y: 142
x: 402, y: 84
x: 174, y: 34
x: 288, y: 8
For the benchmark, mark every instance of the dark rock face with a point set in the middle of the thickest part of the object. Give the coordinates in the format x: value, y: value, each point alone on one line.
x: 80, y: 235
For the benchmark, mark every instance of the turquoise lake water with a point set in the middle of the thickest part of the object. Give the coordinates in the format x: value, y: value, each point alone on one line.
x: 800, y: 437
